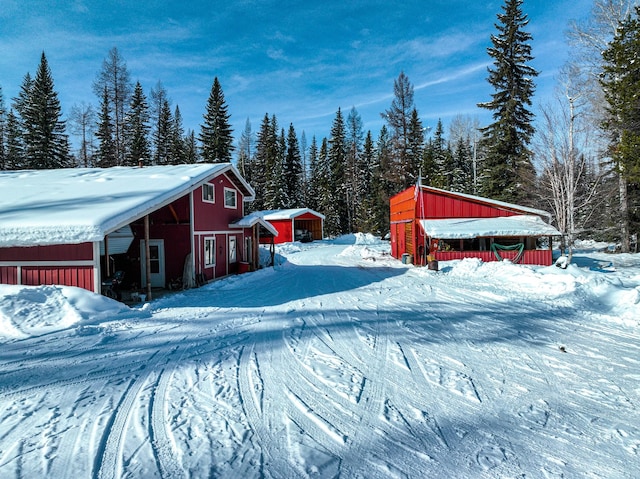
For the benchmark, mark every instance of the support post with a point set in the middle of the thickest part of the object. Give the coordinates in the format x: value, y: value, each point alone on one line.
x: 147, y: 256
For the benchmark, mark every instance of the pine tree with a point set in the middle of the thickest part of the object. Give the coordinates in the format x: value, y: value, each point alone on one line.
x: 106, y: 154
x: 14, y: 159
x: 398, y: 118
x: 353, y: 168
x: 382, y: 186
x: 245, y: 147
x: 368, y: 166
x: 113, y: 79
x: 415, y: 144
x: 177, y: 140
x: 3, y: 132
x: 621, y: 84
x: 162, y: 136
x: 137, y: 131
x: 313, y: 178
x: 45, y: 139
x: 260, y: 163
x: 191, y: 154
x: 337, y: 218
x: 508, y: 168
x: 462, y: 174
x: 216, y: 134
x: 292, y: 174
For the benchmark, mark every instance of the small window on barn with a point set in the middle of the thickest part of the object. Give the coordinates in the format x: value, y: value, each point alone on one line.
x: 233, y: 252
x: 230, y: 198
x: 209, y: 251
x: 208, y: 195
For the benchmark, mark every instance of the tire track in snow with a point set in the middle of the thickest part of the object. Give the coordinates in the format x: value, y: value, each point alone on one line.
x: 108, y: 459
x: 165, y: 452
x: 261, y: 419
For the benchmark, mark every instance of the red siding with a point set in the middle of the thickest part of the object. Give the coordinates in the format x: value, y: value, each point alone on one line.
x: 214, y: 216
x: 433, y: 205
x: 535, y: 257
x: 80, y: 276
x: 8, y: 274
x: 62, y: 252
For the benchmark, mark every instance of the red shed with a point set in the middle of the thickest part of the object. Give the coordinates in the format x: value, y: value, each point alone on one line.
x: 159, y: 225
x: 448, y: 225
x: 296, y: 224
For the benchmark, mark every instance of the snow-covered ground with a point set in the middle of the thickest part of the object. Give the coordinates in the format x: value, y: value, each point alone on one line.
x: 338, y: 362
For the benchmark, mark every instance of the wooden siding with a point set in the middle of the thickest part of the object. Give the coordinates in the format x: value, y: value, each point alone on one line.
x: 533, y: 257
x: 403, y: 206
x: 433, y: 205
x: 8, y: 274
x: 58, y: 252
x: 80, y: 276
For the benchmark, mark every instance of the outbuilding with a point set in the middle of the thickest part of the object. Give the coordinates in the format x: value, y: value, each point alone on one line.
x: 434, y: 224
x: 158, y: 226
x: 295, y: 224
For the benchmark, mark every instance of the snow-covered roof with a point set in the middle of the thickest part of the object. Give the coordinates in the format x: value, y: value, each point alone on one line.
x: 480, y: 199
x: 286, y: 214
x: 467, y: 228
x: 251, y: 220
x: 75, y: 205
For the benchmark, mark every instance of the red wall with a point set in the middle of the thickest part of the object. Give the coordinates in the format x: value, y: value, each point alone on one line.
x: 433, y: 205
x: 80, y: 276
x: 63, y: 252
x: 535, y: 257
x: 214, y: 216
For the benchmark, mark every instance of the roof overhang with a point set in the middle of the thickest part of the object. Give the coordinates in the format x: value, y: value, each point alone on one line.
x: 251, y: 220
x: 469, y: 228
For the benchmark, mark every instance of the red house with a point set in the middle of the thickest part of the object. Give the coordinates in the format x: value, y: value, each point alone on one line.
x: 430, y: 221
x: 159, y: 225
x: 296, y: 224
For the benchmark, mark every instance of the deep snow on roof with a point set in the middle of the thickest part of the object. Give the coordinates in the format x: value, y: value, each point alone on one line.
x: 286, y: 214
x: 466, y: 228
x: 75, y: 205
x: 502, y: 204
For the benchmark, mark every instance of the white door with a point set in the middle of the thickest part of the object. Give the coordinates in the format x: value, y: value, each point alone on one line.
x: 156, y: 255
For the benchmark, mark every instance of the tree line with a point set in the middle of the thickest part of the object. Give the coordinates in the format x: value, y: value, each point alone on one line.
x: 582, y: 162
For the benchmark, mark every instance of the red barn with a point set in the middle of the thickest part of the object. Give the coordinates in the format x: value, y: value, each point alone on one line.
x: 447, y: 225
x: 159, y: 225
x: 296, y: 224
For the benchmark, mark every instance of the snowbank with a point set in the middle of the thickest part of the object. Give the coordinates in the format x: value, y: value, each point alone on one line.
x: 27, y: 311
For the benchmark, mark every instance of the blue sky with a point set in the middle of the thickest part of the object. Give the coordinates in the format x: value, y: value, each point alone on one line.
x: 297, y: 60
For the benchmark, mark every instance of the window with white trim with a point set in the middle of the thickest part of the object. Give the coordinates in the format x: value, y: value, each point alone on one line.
x: 209, y: 251
x: 208, y: 193
x: 230, y: 198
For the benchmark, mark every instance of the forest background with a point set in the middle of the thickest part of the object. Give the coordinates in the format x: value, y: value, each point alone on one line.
x: 580, y: 158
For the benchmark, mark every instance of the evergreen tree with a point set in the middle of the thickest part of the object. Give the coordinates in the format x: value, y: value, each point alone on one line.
x: 354, y: 167
x: 325, y: 192
x: 462, y: 174
x: 3, y: 132
x: 45, y: 139
x: 14, y: 159
x: 313, y: 179
x: 415, y: 144
x: 113, y: 79
x: 163, y: 136
x: 216, y: 134
x: 106, y: 154
x: 621, y: 84
x: 191, y: 148
x: 260, y: 164
x: 382, y: 186
x: 177, y: 140
x: 508, y: 169
x: 337, y: 217
x: 368, y: 166
x: 137, y: 131
x: 276, y: 195
x: 245, y: 146
x: 398, y: 118
x: 292, y: 174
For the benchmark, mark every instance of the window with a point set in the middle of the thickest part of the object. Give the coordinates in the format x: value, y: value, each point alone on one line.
x: 232, y: 249
x: 230, y: 200
x: 208, y: 193
x: 209, y: 251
